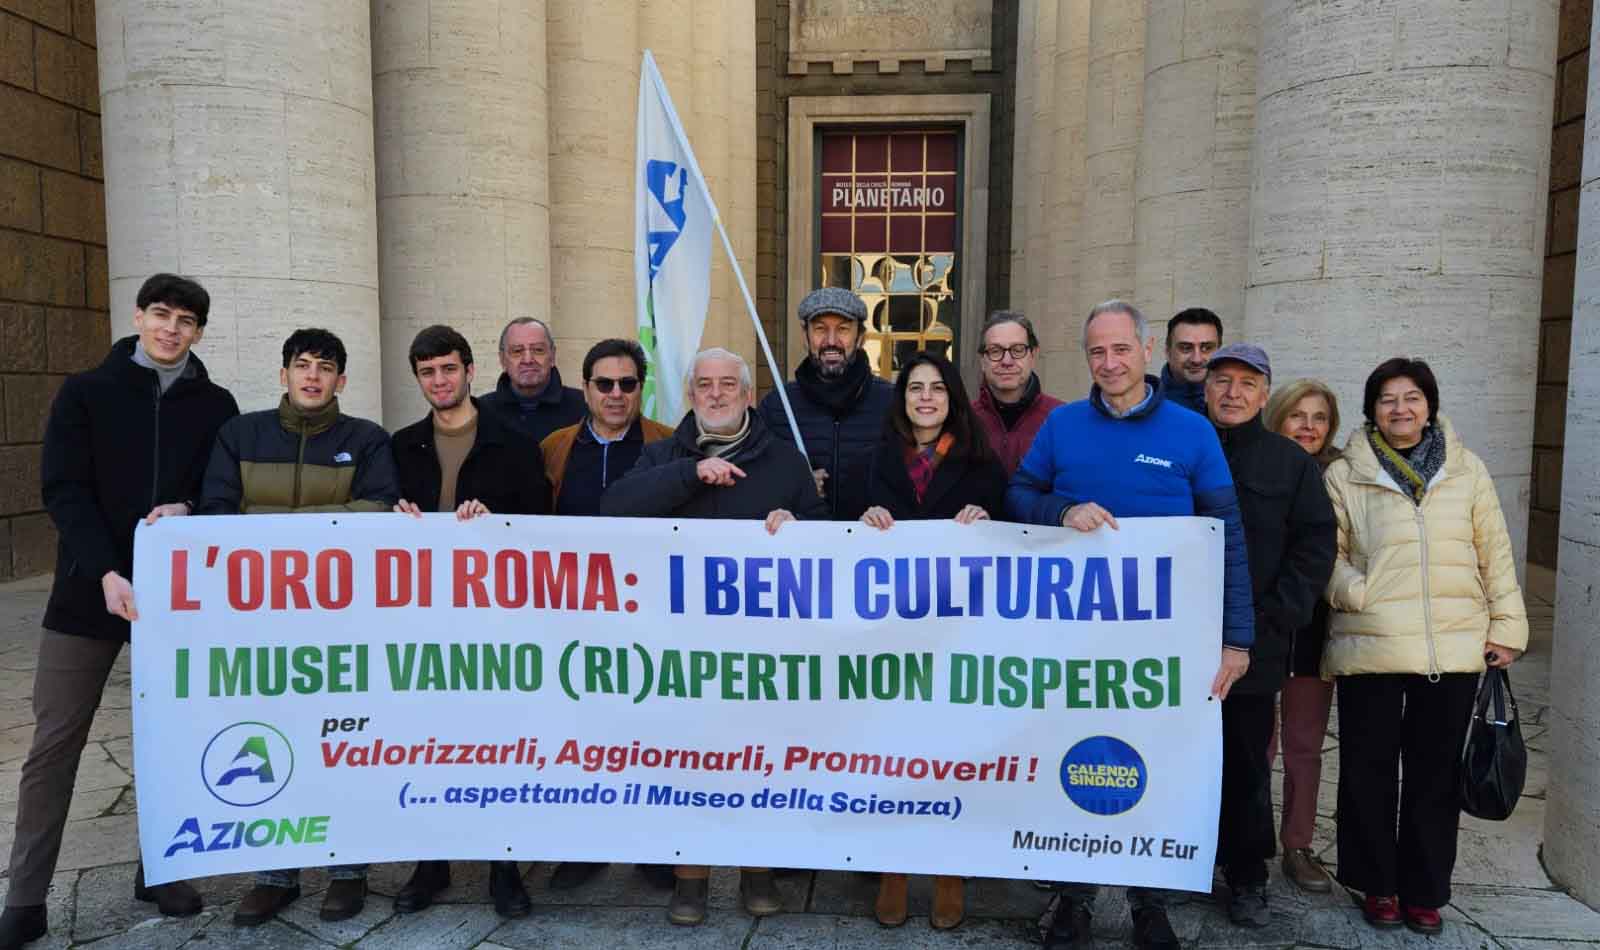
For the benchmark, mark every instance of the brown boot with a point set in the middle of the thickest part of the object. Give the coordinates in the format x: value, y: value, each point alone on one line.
x: 344, y: 899
x: 949, y: 902
x: 891, y: 908
x: 262, y: 904
x: 1305, y: 871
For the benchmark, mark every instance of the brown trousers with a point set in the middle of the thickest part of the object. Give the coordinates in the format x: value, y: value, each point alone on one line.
x: 67, y: 685
x: 1306, y: 701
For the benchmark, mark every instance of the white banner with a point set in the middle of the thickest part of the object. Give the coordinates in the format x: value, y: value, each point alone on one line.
x: 994, y: 700
x: 673, y: 222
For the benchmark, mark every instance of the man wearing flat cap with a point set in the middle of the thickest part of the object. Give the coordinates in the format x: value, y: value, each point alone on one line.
x: 838, y: 403
x: 1289, y: 534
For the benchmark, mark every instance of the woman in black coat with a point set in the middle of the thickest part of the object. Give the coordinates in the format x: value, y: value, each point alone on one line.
x: 933, y: 462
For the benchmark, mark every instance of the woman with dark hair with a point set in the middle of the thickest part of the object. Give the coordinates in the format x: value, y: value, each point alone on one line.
x: 934, y: 462
x: 1307, y: 412
x: 1424, y: 592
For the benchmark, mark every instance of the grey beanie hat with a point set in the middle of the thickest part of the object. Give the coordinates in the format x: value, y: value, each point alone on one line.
x: 835, y: 300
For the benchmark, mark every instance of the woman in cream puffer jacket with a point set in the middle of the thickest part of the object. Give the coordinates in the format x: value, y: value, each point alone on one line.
x: 1424, y: 590
x: 1391, y: 616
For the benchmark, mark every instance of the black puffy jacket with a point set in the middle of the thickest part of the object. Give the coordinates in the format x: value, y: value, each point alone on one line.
x: 114, y: 448
x: 663, y: 483
x: 841, y: 421
x: 956, y: 483
x: 1289, y: 534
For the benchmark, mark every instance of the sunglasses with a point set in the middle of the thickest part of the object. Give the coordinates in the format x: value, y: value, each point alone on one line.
x: 603, y: 383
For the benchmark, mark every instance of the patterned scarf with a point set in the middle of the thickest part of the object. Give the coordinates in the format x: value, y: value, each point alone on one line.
x: 1413, y: 474
x: 922, y: 463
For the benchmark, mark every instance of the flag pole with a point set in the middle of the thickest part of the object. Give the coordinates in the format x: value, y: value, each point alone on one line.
x: 727, y: 245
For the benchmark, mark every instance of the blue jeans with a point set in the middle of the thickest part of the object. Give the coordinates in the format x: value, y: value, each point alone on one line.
x: 289, y: 877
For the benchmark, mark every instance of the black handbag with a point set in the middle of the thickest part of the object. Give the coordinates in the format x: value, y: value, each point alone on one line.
x: 1494, y: 762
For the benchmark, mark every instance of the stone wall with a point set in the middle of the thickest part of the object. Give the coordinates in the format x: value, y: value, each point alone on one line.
x: 1555, y: 326
x: 774, y: 86
x: 53, y: 285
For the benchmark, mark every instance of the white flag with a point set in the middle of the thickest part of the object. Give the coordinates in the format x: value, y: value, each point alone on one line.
x: 673, y: 222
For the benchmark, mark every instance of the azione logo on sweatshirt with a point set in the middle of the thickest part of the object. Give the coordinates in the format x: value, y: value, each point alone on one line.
x: 1152, y: 460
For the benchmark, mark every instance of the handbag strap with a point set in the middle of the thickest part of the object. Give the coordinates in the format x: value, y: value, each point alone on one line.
x: 1496, y: 691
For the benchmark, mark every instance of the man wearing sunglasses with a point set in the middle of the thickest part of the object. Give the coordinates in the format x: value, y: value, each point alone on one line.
x: 581, y: 460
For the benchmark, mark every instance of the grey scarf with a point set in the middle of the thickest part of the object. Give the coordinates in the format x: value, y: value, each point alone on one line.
x: 1416, y: 468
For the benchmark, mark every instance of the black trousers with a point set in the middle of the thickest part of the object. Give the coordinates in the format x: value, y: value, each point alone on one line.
x: 1391, y: 723
x: 1245, y: 838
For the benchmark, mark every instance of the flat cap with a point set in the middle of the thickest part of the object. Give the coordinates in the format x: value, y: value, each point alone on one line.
x: 834, y: 300
x: 1247, y: 353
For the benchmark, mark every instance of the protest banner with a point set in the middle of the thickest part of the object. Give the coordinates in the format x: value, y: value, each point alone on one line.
x: 990, y: 700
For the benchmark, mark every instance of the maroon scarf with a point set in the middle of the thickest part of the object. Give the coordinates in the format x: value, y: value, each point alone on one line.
x: 921, y: 464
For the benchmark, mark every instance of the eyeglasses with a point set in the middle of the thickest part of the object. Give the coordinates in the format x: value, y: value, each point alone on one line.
x: 518, y: 352
x: 995, y: 354
x: 604, y: 383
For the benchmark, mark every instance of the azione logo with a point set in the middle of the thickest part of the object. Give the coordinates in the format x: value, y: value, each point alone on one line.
x: 247, y: 764
x: 1104, y: 775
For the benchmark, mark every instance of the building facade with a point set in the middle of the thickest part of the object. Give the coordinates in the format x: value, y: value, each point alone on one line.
x: 1341, y: 181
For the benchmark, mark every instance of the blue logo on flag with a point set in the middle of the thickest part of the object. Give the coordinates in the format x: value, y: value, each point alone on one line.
x: 666, y: 181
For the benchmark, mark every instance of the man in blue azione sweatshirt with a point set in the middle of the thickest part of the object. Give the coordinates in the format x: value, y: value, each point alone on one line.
x: 1128, y: 452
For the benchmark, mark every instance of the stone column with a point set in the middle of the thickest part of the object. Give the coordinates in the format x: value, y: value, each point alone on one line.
x: 1398, y: 206
x: 1063, y: 373
x: 1193, y: 182
x: 1572, y: 804
x: 706, y: 54
x: 1021, y: 154
x: 238, y: 150
x: 1041, y: 159
x: 463, y: 197
x: 1111, y: 146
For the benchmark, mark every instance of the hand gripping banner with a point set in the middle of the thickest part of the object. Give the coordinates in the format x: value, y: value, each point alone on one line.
x: 990, y: 700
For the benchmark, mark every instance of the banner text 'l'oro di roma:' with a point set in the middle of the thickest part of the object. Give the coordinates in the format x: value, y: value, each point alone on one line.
x: 989, y: 700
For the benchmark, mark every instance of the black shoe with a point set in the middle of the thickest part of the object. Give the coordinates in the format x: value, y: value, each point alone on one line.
x: 22, y: 925
x: 1248, y: 906
x: 570, y: 875
x: 262, y: 903
x: 505, y: 886
x: 1153, y: 931
x: 1065, y: 924
x: 177, y: 899
x: 759, y: 892
x: 344, y: 899
x: 429, y: 878
x: 659, y: 876
x: 688, y: 905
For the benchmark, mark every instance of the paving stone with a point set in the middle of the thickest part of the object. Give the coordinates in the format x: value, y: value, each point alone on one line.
x: 1344, y: 926
x: 106, y: 905
x: 85, y: 804
x: 619, y: 885
x: 219, y: 933
x: 1517, y: 912
x: 111, y: 724
x: 302, y: 914
x: 550, y: 928
x: 1502, y: 852
x: 446, y: 927
x: 724, y: 891
x: 14, y: 742
x: 809, y: 931
x: 95, y: 842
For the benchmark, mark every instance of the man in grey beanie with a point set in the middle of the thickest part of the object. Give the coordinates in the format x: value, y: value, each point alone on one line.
x: 839, y: 405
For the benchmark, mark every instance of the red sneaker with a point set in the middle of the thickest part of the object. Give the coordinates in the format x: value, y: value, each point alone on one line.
x: 1382, y: 911
x: 1424, y: 920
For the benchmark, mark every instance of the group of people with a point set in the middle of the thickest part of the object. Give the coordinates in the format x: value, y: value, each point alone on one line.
x: 1384, y: 569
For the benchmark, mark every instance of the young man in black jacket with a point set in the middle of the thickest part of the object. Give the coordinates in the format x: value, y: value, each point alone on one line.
x: 839, y: 404
x: 126, y: 440
x: 723, y: 462
x: 303, y: 457
x: 1289, y: 532
x: 472, y: 463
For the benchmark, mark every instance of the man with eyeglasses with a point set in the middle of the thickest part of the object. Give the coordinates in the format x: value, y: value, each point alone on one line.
x: 1192, y: 336
x: 529, y: 395
x: 580, y: 461
x: 1010, y: 405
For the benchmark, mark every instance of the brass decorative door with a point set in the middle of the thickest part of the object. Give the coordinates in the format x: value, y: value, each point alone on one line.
x: 888, y: 228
